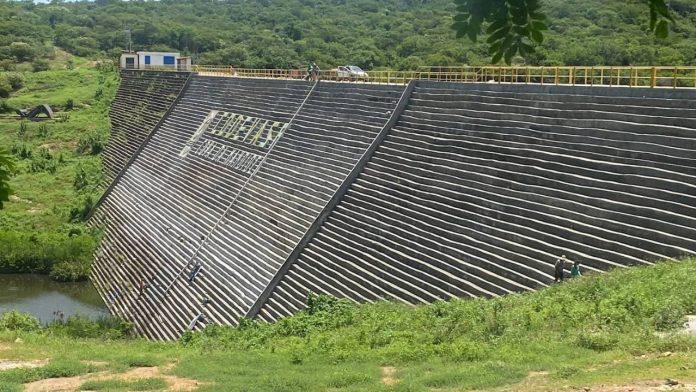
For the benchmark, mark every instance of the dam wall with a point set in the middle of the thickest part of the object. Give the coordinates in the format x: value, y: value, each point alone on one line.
x: 237, y: 171
x: 251, y: 193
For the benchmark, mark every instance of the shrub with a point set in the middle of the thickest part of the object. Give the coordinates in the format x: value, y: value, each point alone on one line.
x: 22, y: 51
x: 5, y: 88
x: 80, y: 212
x: 23, y: 128
x: 80, y: 181
x: 70, y: 271
x: 91, y: 143
x: 21, y: 151
x: 16, y: 80
x: 24, y: 252
x: 7, y: 65
x: 669, y: 316
x: 43, y: 161
x: 43, y: 130
x: 17, y: 321
x: 5, y: 107
x: 40, y: 65
x: 69, y: 104
x: 597, y: 341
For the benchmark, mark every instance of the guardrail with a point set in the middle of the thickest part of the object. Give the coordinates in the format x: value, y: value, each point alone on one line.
x: 640, y: 76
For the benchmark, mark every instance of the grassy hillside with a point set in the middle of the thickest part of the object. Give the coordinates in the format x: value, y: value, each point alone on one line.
x: 400, y: 34
x: 614, y: 329
x: 58, y: 162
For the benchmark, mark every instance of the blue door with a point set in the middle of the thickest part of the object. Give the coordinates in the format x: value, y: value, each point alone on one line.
x: 168, y: 60
x: 147, y: 60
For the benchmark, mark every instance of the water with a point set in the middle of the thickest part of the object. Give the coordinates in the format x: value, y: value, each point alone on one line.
x: 42, y: 297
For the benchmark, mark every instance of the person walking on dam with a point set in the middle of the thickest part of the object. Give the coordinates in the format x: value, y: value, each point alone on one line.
x: 558, y: 268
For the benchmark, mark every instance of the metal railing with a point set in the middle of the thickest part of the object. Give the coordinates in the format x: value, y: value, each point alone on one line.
x: 639, y: 76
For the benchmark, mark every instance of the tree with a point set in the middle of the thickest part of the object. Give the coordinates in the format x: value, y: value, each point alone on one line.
x: 22, y: 51
x: 6, y: 170
x: 514, y: 26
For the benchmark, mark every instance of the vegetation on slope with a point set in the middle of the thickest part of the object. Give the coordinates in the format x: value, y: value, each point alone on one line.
x: 369, y: 33
x: 58, y: 167
x: 615, y: 328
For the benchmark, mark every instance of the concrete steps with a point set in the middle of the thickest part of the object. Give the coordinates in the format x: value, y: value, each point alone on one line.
x: 478, y: 189
x: 169, y: 216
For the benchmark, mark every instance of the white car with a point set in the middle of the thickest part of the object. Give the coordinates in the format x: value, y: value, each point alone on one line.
x: 351, y: 72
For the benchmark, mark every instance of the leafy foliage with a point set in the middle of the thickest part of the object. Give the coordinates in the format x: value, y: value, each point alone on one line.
x: 16, y: 321
x: 23, y: 252
x: 7, y: 168
x: 401, y: 34
x: 514, y: 25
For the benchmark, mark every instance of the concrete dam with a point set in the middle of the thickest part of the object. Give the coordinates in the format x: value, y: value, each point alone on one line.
x: 235, y: 197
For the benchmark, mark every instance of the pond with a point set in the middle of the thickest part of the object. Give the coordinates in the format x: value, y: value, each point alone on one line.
x: 42, y: 297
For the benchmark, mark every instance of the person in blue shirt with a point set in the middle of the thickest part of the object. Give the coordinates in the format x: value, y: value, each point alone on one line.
x: 575, y: 270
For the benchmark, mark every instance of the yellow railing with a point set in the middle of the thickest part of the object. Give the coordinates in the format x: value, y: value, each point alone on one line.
x: 640, y: 76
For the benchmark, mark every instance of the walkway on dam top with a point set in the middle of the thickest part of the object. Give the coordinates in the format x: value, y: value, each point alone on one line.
x: 605, y: 76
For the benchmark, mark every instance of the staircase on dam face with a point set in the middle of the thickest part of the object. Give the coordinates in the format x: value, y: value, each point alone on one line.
x: 479, y: 188
x: 141, y: 101
x: 165, y: 206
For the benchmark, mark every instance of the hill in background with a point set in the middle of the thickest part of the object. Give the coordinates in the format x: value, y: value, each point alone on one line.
x: 401, y: 34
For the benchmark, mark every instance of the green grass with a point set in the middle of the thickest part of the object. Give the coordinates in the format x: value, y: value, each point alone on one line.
x: 598, y: 329
x: 46, y: 203
x: 117, y: 385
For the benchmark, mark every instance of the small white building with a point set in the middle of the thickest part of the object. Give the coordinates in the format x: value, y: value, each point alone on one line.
x: 145, y: 60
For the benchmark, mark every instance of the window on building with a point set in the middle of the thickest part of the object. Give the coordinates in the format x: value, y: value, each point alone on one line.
x: 147, y: 60
x: 168, y: 60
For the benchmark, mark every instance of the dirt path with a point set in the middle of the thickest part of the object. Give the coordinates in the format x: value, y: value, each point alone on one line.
x: 70, y: 384
x: 7, y: 364
x: 388, y: 375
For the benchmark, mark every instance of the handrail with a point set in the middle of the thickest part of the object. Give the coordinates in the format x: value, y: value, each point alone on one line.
x: 609, y: 76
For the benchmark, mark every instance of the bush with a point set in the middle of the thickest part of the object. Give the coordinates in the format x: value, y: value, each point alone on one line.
x: 5, y: 107
x: 25, y: 252
x: 597, y: 341
x: 43, y: 162
x: 80, y: 212
x: 22, y: 51
x: 91, y: 143
x: 669, y: 316
x: 17, y: 321
x: 40, y: 65
x: 16, y: 80
x: 7, y: 65
x: 80, y: 181
x: 5, y: 88
x: 43, y: 131
x: 23, y: 128
x: 70, y: 271
x: 69, y: 104
x: 21, y: 151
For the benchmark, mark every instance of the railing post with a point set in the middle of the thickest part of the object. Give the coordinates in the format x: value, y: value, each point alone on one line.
x: 675, y: 78
x: 653, y: 77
